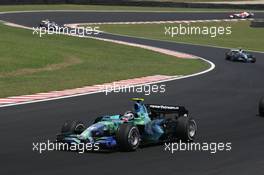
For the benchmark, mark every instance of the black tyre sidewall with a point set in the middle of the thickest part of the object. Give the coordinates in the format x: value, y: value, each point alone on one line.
x: 72, y: 127
x: 182, y: 129
x: 122, y: 136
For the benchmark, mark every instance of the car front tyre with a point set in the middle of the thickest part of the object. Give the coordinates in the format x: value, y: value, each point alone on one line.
x: 128, y: 137
x: 72, y: 127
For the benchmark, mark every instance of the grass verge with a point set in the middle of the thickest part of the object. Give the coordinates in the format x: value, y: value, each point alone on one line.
x: 242, y: 34
x: 30, y: 64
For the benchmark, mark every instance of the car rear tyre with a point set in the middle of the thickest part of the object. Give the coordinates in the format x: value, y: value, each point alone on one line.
x: 253, y: 60
x: 128, y: 137
x: 72, y: 127
x: 186, y: 129
x: 261, y: 107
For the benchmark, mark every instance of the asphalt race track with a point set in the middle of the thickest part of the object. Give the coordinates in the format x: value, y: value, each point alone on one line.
x: 223, y: 101
x: 33, y: 18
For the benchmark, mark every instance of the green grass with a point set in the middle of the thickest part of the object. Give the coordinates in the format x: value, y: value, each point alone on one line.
x: 30, y: 64
x: 102, y: 8
x: 242, y: 35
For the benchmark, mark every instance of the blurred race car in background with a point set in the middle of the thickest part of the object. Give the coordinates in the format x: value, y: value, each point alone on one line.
x: 242, y: 15
x: 146, y: 124
x: 261, y: 107
x: 240, y: 55
x: 51, y: 25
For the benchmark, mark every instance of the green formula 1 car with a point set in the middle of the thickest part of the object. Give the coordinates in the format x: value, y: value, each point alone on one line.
x: 145, y: 124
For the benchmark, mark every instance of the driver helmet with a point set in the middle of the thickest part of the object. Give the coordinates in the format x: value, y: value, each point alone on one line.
x: 129, y: 115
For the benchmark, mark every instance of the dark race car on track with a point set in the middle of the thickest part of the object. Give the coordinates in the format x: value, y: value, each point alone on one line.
x: 240, y: 55
x: 242, y: 15
x: 261, y: 107
x: 50, y: 25
x: 147, y: 124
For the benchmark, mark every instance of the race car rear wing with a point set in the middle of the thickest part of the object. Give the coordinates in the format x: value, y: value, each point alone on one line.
x: 165, y: 109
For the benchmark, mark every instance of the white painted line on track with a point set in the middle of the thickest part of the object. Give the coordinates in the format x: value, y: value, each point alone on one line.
x: 155, y: 22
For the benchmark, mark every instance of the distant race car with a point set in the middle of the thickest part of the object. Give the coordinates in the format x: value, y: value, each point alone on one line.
x: 50, y: 25
x: 242, y: 15
x: 147, y: 124
x: 261, y: 107
x: 240, y: 55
